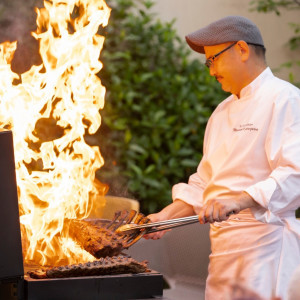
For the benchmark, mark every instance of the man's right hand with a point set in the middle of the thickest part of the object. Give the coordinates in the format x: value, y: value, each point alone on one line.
x: 176, y: 209
x: 155, y: 235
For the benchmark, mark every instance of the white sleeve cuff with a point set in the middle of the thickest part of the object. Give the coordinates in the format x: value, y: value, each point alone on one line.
x: 262, y: 191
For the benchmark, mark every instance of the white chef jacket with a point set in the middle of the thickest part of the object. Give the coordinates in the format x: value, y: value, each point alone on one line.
x: 252, y: 144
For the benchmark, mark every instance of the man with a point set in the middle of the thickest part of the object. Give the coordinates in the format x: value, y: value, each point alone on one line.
x: 247, y: 183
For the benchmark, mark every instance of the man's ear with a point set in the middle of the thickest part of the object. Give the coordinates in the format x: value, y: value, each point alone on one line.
x: 244, y: 50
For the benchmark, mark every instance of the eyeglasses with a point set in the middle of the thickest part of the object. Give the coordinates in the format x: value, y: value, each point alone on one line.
x: 210, y: 60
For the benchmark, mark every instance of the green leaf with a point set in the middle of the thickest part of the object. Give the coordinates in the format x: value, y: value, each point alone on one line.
x: 158, y: 115
x: 150, y: 169
x: 189, y: 162
x: 137, y: 148
x: 152, y: 183
x: 185, y: 151
x: 128, y: 136
x: 137, y: 170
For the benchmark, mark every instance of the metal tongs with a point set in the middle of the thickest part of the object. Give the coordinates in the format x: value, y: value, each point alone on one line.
x: 157, y: 226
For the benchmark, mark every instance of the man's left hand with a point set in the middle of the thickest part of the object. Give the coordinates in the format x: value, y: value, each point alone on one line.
x: 218, y: 210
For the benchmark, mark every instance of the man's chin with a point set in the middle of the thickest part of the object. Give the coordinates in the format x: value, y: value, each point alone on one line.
x: 225, y: 88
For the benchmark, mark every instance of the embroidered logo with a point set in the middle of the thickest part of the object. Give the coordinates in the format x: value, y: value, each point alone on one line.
x: 246, y: 127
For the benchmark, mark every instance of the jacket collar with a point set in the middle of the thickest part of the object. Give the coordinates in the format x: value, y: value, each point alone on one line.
x: 255, y: 84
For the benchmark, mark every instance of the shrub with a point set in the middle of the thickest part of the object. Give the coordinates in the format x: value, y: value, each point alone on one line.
x: 157, y: 104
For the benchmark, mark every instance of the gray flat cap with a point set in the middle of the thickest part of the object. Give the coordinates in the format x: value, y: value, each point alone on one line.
x: 228, y: 29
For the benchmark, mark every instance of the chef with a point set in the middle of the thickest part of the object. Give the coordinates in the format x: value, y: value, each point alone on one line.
x: 247, y: 185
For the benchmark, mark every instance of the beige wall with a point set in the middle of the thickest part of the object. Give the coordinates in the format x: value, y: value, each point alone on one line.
x: 191, y: 15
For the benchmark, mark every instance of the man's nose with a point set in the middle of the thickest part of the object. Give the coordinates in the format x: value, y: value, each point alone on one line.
x: 212, y: 70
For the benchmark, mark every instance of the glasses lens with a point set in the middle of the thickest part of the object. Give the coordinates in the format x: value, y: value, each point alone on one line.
x: 208, y: 63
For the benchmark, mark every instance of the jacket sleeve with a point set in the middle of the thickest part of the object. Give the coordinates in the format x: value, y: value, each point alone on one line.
x: 279, y: 194
x: 192, y: 192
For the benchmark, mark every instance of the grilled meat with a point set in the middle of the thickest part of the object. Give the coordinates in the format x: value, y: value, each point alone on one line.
x: 100, y: 242
x: 104, y: 266
x: 100, y: 239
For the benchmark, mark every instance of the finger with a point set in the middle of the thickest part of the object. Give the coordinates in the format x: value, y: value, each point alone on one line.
x: 148, y: 236
x: 216, y: 213
x: 224, y: 217
x: 155, y: 235
x: 158, y: 235
x: 201, y: 215
x: 209, y: 213
x: 152, y: 236
x: 153, y: 218
x: 226, y: 214
x: 220, y: 213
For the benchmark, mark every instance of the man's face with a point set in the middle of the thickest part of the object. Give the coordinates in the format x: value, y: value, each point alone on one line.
x: 225, y: 67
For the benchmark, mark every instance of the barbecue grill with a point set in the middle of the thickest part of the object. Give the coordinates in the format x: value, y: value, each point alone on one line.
x: 14, y: 281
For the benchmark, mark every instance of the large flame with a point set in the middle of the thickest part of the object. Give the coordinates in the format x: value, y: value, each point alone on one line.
x: 49, y: 109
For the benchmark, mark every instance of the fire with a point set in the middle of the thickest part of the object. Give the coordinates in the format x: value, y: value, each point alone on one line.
x: 49, y: 109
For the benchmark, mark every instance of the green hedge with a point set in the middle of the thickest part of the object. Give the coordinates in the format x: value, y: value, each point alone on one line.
x: 158, y: 101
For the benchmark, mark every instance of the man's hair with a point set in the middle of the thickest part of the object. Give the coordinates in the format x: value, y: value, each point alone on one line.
x: 260, y: 51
